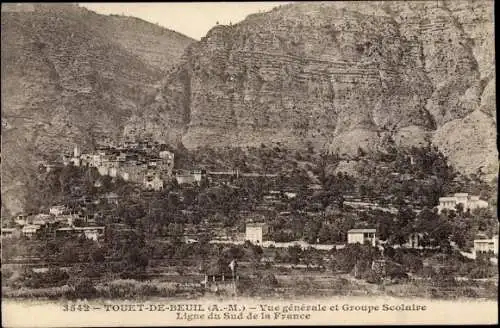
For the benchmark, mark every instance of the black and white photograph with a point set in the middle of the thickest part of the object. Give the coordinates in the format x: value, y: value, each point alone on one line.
x: 230, y: 163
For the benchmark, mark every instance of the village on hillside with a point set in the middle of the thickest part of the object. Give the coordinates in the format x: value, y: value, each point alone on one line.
x: 283, y: 224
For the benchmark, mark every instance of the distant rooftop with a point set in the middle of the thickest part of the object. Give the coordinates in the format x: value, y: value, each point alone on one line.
x: 362, y: 230
x: 79, y: 228
x: 255, y: 224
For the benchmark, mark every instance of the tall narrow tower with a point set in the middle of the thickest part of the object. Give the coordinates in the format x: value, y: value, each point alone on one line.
x: 76, y: 151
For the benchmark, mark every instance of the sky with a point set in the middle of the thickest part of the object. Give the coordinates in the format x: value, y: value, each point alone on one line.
x: 189, y: 18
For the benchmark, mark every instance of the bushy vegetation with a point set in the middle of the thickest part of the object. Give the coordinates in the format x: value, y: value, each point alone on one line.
x: 145, y: 227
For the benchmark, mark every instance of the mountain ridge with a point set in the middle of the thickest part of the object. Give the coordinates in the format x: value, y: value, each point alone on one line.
x: 67, y: 78
x: 340, y: 75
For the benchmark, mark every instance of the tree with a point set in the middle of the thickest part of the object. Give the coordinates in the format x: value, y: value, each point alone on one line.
x: 294, y: 252
x: 97, y: 255
x: 269, y: 280
x: 136, y: 259
x: 325, y: 234
x: 403, y: 227
x: 361, y: 152
x: 355, y: 254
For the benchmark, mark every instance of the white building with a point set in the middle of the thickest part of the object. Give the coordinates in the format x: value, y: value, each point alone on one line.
x: 361, y: 236
x: 57, y: 210
x: 256, y: 232
x: 467, y: 201
x: 95, y: 160
x: 92, y: 233
x: 125, y: 176
x: 30, y: 230
x: 21, y: 219
x: 193, y: 177
x: 42, y: 217
x: 486, y: 245
x: 153, y: 182
x: 165, y: 154
x: 113, y: 172
x: 9, y: 232
x: 76, y: 151
x: 414, y: 240
x: 103, y: 170
x: 111, y: 198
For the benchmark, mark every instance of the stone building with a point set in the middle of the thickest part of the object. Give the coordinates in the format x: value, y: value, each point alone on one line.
x: 361, y: 236
x: 153, y: 182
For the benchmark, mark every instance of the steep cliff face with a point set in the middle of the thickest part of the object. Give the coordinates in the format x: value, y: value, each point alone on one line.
x: 470, y: 141
x: 68, y: 77
x: 342, y: 75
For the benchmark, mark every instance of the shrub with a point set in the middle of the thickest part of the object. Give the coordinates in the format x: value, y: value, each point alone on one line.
x: 469, y: 292
x: 93, y: 271
x: 480, y: 272
x: 53, y: 277
x: 269, y: 280
x: 397, y: 273
x: 341, y: 285
x: 51, y: 292
x: 6, y: 274
x: 129, y: 288
x: 427, y: 272
x: 122, y: 288
x: 81, y: 287
x: 97, y: 255
x: 413, y: 263
x: 372, y: 277
x: 444, y: 279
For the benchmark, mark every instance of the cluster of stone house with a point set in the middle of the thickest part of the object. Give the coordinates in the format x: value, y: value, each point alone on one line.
x: 60, y: 221
x: 194, y: 177
x: 145, y: 163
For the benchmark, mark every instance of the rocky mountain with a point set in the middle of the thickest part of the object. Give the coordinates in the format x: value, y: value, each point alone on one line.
x: 71, y: 75
x: 340, y: 75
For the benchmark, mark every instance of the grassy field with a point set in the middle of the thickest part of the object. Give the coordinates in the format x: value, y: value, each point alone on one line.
x: 259, y: 282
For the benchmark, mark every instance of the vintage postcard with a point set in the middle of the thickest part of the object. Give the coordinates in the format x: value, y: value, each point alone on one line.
x: 251, y: 163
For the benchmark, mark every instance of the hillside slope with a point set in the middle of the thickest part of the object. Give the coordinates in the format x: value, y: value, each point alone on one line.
x: 70, y: 75
x: 342, y: 76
